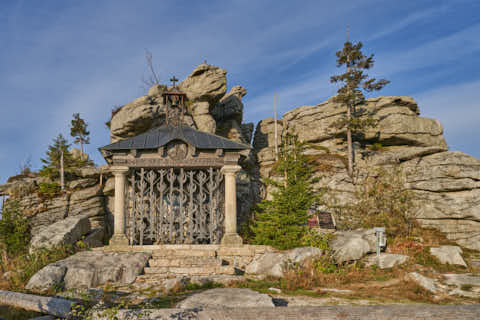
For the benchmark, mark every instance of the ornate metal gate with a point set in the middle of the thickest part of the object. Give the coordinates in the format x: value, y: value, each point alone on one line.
x: 175, y: 206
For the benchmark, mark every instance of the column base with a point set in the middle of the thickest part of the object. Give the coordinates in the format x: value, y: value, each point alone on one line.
x: 231, y: 240
x: 119, y: 240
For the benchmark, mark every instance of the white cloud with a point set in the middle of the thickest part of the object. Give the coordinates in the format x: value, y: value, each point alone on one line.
x: 409, y: 20
x: 447, y: 49
x: 457, y: 107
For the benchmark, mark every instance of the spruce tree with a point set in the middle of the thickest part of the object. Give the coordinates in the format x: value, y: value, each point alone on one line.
x: 78, y: 130
x: 355, y: 82
x: 52, y: 163
x: 282, y: 221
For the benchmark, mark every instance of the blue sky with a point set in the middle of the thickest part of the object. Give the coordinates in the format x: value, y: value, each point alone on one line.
x: 60, y: 57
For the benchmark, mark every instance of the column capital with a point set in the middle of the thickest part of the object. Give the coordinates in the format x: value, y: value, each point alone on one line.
x: 118, y: 170
x: 230, y: 169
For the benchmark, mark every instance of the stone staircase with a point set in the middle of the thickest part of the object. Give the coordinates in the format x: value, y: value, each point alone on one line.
x: 175, y: 263
x: 198, y: 262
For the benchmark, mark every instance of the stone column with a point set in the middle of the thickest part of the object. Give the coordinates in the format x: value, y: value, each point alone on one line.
x: 119, y: 238
x: 231, y: 238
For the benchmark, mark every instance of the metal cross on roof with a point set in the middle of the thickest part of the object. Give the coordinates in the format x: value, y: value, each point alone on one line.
x: 173, y: 81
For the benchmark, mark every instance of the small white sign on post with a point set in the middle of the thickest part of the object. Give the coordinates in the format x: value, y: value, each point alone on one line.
x: 381, y: 239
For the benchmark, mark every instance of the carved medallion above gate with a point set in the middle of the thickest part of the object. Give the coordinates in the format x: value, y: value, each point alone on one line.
x: 177, y: 150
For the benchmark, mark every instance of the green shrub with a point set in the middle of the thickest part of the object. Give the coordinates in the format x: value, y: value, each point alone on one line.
x: 381, y: 200
x: 14, y: 229
x: 48, y: 190
x: 25, y: 265
x: 312, y: 238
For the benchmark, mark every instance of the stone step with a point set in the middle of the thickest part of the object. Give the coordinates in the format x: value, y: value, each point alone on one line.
x: 176, y: 261
x: 156, y: 279
x: 166, y: 253
x: 150, y: 277
x: 190, y: 271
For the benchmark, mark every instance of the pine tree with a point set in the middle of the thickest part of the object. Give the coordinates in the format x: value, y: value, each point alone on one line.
x: 78, y: 130
x: 52, y: 163
x: 282, y: 221
x: 355, y: 82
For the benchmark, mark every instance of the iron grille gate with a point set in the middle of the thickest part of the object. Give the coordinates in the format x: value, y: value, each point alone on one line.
x: 175, y: 206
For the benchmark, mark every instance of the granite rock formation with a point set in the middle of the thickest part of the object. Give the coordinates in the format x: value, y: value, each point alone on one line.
x: 210, y: 108
x: 78, y: 213
x: 445, y: 183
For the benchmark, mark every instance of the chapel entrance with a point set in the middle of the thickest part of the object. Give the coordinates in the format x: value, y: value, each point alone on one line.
x: 174, y: 184
x: 175, y: 206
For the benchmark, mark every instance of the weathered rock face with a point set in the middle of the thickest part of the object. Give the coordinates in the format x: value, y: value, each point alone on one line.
x: 449, y: 254
x: 446, y: 183
x: 66, y: 231
x: 140, y: 115
x: 89, y: 269
x: 78, y: 213
x: 205, y: 83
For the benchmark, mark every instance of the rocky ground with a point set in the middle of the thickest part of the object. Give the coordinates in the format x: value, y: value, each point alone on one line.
x: 443, y: 274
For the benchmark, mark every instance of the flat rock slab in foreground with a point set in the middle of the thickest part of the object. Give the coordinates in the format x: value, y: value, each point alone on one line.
x: 386, y: 312
x: 54, y: 306
x: 227, y: 298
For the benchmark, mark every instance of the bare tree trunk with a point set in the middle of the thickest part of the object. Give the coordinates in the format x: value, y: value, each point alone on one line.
x: 276, y: 132
x: 349, y: 143
x: 285, y: 172
x: 62, y: 172
x: 81, y: 149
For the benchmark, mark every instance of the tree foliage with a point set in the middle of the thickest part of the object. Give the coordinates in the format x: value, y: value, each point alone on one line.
x: 14, y: 229
x: 52, y: 161
x: 354, y: 83
x: 78, y: 130
x: 282, y: 221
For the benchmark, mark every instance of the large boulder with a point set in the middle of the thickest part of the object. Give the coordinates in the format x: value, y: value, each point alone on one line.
x: 227, y: 298
x: 134, y: 118
x: 275, y: 264
x: 205, y: 83
x: 353, y: 245
x: 67, y: 231
x: 89, y: 269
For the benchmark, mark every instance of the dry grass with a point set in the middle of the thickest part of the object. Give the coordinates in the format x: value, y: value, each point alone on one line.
x: 23, y: 266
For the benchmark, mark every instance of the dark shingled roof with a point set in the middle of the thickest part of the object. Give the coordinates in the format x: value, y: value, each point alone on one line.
x: 160, y: 136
